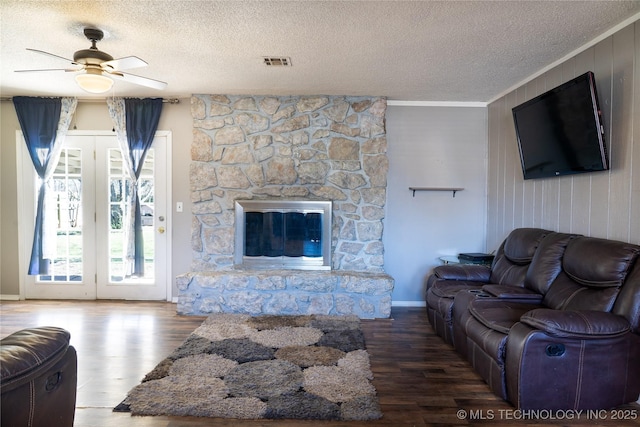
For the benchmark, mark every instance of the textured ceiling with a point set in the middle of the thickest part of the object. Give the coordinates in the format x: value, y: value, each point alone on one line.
x: 457, y: 51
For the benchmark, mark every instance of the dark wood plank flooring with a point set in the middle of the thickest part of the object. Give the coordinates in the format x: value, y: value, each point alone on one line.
x: 421, y: 381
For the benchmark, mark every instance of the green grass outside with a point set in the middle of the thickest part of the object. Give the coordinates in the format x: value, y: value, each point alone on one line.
x: 74, y: 243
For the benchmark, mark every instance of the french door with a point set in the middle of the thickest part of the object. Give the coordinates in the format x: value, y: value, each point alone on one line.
x: 89, y: 194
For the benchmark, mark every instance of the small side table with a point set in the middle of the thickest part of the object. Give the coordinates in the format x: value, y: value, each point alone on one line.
x: 453, y: 259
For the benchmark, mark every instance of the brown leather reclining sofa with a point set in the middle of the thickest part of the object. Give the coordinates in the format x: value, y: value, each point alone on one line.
x: 39, y: 377
x: 553, y: 324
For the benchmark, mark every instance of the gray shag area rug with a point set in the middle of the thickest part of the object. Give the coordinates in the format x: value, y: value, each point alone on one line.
x: 275, y: 367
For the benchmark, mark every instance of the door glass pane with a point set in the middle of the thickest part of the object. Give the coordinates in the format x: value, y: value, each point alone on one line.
x: 120, y: 195
x: 117, y: 197
x: 146, y: 192
x: 65, y: 195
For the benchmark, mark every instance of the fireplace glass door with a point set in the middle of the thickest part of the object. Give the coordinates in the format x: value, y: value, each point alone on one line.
x: 283, y: 234
x: 275, y: 234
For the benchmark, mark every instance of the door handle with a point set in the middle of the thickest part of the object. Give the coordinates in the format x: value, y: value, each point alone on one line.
x: 160, y: 230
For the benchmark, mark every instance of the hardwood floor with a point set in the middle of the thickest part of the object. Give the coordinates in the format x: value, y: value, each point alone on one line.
x: 421, y: 381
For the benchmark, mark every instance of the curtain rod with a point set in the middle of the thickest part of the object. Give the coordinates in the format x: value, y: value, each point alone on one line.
x: 164, y: 100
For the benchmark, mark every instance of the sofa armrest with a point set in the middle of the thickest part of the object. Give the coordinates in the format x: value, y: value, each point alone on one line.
x: 549, y: 372
x: 468, y: 272
x: 29, y: 351
x: 38, y: 379
x: 512, y: 292
x: 576, y: 324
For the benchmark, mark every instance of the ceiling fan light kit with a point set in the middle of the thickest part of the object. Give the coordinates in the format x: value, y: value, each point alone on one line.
x: 94, y: 82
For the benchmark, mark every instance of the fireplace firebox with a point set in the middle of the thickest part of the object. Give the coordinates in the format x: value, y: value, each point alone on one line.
x: 283, y: 234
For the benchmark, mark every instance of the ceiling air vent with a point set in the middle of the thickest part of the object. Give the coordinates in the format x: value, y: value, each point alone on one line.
x: 277, y: 61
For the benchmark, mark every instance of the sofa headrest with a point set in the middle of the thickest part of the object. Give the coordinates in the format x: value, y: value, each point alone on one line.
x: 547, y: 262
x: 521, y: 244
x: 598, y: 262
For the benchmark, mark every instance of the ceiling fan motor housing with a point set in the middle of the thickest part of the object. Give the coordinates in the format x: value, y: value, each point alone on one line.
x: 91, y: 56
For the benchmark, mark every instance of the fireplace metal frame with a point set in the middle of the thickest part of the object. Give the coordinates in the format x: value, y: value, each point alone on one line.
x: 283, y: 262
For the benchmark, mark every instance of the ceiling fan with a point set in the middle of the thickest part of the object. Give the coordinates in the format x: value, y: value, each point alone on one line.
x: 95, y: 68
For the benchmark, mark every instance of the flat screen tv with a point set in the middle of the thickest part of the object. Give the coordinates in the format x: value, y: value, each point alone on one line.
x: 560, y: 132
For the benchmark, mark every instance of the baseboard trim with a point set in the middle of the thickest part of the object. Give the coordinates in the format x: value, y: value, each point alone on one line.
x: 6, y: 297
x: 408, y: 304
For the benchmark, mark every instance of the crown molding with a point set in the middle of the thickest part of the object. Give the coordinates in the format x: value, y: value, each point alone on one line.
x: 436, y: 104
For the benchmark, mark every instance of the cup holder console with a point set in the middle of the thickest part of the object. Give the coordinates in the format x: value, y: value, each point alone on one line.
x: 480, y: 293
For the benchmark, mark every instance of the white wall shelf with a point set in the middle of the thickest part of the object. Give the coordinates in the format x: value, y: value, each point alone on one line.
x: 453, y: 190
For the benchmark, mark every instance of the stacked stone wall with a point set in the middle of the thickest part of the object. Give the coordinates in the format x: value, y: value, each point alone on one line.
x: 263, y: 147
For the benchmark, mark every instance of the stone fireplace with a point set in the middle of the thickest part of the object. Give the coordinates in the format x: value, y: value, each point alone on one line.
x: 270, y: 150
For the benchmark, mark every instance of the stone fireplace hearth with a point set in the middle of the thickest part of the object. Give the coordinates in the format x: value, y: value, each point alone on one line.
x: 295, y: 148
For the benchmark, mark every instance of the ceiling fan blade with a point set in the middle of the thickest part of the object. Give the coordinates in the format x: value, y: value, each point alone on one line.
x: 124, y: 63
x: 52, y: 54
x: 139, y: 80
x: 67, y: 70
